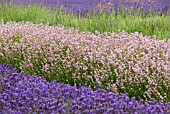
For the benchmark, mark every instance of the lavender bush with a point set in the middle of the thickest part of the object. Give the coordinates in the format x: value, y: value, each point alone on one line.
x: 85, y: 6
x: 23, y: 94
x: 129, y: 63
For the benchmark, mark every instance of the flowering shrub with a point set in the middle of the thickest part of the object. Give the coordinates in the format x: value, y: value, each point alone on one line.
x: 30, y: 94
x: 85, y: 6
x: 125, y: 62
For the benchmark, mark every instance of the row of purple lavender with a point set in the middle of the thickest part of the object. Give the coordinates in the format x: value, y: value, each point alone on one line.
x: 84, y: 6
x: 21, y: 94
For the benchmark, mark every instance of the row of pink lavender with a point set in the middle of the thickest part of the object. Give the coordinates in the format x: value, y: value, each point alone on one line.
x: 128, y: 63
x: 21, y: 94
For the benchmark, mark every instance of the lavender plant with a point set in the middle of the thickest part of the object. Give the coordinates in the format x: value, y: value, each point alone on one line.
x: 85, y: 6
x: 129, y: 63
x: 30, y: 94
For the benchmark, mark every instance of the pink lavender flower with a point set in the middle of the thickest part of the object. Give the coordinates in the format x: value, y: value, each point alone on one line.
x: 131, y: 61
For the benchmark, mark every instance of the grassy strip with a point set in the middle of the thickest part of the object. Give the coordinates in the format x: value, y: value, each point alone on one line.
x: 148, y: 25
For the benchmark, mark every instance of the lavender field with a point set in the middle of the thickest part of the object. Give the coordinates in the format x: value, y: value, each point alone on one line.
x: 84, y: 57
x: 89, y: 5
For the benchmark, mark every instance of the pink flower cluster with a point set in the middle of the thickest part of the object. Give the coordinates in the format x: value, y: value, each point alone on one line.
x: 140, y: 64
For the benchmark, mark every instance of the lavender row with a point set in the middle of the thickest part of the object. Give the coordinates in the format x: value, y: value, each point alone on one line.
x: 85, y: 6
x: 23, y: 94
x: 128, y: 63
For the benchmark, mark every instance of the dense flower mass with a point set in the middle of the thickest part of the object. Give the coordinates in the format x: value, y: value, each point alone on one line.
x: 85, y: 6
x: 128, y: 63
x: 30, y: 94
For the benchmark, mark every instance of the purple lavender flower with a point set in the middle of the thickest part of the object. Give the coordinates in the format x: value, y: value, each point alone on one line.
x: 85, y: 6
x: 30, y: 94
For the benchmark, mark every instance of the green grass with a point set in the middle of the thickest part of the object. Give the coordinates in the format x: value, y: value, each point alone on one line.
x: 147, y: 25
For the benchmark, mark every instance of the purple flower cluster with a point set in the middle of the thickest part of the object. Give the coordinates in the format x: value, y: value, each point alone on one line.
x: 161, y: 6
x: 23, y: 94
x: 84, y: 6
